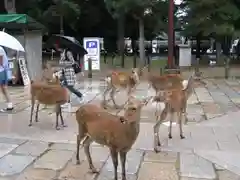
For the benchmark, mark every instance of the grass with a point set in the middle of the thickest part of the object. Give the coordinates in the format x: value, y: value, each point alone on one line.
x: 129, y: 62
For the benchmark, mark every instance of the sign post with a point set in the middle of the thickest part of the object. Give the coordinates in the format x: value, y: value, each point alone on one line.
x: 92, y: 45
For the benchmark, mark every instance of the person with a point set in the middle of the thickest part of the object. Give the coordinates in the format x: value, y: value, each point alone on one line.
x: 47, y: 72
x: 68, y: 75
x: 4, y: 79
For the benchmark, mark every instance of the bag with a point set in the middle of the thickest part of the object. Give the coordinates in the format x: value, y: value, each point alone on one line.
x: 77, y: 68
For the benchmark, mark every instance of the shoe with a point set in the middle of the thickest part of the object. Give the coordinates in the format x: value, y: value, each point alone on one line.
x: 81, y: 100
x: 6, y: 109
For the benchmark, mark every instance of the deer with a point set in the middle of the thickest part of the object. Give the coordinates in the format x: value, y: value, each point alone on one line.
x: 162, y: 82
x: 175, y: 101
x: 121, y: 80
x: 118, y: 133
x: 48, y: 94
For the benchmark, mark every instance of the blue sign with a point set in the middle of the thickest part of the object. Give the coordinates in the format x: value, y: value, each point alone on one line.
x: 91, y: 44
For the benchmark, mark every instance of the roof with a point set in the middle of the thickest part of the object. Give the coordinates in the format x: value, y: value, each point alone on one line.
x: 19, y: 21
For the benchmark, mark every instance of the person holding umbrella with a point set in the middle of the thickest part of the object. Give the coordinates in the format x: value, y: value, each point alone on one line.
x: 4, y: 79
x: 68, y: 75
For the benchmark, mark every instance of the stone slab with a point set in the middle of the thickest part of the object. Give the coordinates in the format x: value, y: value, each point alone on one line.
x: 37, y: 174
x: 194, y: 166
x: 152, y: 171
x: 32, y: 148
x: 81, y: 171
x: 6, y: 148
x: 110, y: 175
x: 54, y: 160
x: 163, y: 157
x: 6, y: 140
x: 64, y: 146
x: 227, y: 160
x: 227, y: 175
x: 134, y: 158
x: 14, y: 164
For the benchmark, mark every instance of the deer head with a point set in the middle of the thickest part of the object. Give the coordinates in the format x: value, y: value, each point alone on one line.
x: 133, y: 109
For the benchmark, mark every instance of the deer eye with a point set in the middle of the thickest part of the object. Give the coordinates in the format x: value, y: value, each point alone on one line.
x: 133, y: 109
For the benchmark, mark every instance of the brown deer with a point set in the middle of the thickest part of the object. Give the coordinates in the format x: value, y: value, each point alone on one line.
x: 48, y: 94
x: 121, y: 80
x: 118, y: 133
x: 175, y: 100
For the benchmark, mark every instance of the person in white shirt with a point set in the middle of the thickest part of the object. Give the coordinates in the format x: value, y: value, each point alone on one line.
x: 4, y: 79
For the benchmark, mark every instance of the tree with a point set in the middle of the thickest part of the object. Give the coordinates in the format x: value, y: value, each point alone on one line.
x: 146, y: 9
x: 211, y: 18
x: 62, y: 9
x: 118, y: 10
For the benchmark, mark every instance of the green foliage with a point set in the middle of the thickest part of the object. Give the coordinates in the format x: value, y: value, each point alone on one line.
x: 66, y: 8
x: 210, y: 17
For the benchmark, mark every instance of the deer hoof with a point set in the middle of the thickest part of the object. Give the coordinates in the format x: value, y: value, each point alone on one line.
x: 77, y: 162
x: 157, y: 149
x: 170, y: 136
x: 182, y: 136
x: 30, y: 125
x: 64, y: 125
x: 57, y: 128
x: 94, y: 171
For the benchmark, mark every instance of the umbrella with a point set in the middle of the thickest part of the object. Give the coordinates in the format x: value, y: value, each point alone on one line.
x: 11, y: 42
x: 66, y: 42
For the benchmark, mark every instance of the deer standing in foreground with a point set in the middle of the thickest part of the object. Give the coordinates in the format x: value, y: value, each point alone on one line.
x: 121, y: 80
x: 175, y: 100
x: 118, y: 133
x: 49, y: 94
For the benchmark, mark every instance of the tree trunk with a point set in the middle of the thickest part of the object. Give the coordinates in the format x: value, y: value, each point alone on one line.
x: 218, y: 50
x: 10, y: 6
x: 141, y: 41
x: 61, y: 25
x: 198, y: 53
x: 121, y: 40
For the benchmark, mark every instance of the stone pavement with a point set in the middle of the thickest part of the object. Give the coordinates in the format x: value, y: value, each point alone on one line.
x: 210, y: 150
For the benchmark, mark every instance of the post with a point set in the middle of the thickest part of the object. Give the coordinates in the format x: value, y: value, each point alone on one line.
x: 105, y: 57
x: 89, y: 68
x: 134, y: 60
x: 227, y: 62
x: 170, y: 33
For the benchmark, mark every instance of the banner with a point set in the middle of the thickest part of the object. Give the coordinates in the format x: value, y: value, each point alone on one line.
x: 24, y: 71
x: 92, y: 45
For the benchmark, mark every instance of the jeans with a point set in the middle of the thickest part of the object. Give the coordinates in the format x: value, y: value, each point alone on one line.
x: 74, y: 91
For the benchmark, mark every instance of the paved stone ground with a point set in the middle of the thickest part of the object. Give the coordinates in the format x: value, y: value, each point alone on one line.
x: 210, y: 150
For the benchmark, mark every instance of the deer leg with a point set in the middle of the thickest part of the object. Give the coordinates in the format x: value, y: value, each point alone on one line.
x: 57, y: 108
x: 114, y: 155
x: 156, y: 129
x: 180, y: 125
x: 170, y: 126
x: 80, y: 137
x: 32, y: 109
x: 123, y: 164
x: 104, y: 97
x: 112, y: 97
x: 61, y: 116
x: 87, y: 144
x: 36, y: 114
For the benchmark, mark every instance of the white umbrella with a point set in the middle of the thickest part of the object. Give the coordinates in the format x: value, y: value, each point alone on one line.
x: 11, y: 42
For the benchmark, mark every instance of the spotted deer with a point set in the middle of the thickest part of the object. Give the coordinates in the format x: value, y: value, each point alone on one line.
x: 121, y: 80
x: 118, y: 133
x: 175, y: 101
